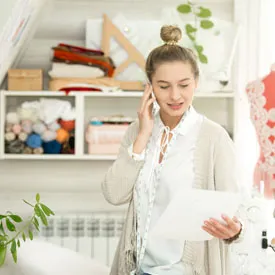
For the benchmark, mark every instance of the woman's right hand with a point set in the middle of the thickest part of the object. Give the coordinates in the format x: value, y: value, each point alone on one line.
x: 146, y: 120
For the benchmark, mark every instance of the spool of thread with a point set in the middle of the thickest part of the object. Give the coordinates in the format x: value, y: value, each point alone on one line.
x: 67, y: 125
x: 38, y: 151
x: 15, y: 147
x: 54, y: 126
x: 34, y: 141
x: 49, y: 135
x: 26, y: 126
x: 23, y: 136
x: 12, y: 118
x: 8, y: 127
x: 62, y: 135
x: 10, y: 136
x: 27, y: 151
x: 16, y: 128
x: 52, y: 147
x: 39, y: 128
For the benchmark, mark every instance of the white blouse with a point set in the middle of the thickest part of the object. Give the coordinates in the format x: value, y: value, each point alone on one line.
x: 163, y: 256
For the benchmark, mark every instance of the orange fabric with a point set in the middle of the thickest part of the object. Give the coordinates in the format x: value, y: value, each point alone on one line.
x: 67, y: 125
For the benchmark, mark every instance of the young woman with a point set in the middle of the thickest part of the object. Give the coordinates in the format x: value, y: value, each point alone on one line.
x: 162, y: 152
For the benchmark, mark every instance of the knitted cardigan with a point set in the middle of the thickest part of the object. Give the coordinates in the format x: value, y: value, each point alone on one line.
x: 215, y: 169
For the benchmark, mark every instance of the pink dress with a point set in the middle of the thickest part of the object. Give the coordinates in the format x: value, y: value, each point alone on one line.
x: 261, y: 94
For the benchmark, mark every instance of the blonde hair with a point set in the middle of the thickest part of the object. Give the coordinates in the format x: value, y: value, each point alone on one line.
x: 170, y: 51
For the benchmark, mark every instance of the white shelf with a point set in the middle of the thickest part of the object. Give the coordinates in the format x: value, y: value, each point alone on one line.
x: 59, y: 157
x: 90, y: 104
x: 138, y: 94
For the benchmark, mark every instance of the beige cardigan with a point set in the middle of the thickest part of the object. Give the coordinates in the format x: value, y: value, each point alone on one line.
x: 214, y: 170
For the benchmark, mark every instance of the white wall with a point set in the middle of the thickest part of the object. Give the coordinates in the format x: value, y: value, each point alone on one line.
x: 64, y: 21
x: 5, y: 11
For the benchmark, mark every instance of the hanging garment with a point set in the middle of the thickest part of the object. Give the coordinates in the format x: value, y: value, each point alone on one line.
x: 261, y: 95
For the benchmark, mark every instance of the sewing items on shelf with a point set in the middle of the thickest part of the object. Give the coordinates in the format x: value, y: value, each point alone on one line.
x: 41, y: 127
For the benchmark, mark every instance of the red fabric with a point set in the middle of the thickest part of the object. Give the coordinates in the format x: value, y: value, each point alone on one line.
x: 81, y: 49
x: 67, y: 90
x: 71, y: 56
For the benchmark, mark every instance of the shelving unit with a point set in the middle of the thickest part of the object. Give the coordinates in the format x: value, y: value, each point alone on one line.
x: 218, y: 106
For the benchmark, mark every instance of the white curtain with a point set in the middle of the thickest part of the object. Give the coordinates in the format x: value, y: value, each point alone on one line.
x: 256, y: 54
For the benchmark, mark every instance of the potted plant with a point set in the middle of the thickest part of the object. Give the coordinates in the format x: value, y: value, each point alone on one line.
x: 202, y: 19
x: 14, y: 229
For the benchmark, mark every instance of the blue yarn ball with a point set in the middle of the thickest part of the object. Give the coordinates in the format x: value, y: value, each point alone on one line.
x: 34, y: 141
x: 52, y: 147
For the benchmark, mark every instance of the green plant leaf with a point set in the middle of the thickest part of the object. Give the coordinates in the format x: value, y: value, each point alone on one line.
x: 2, y: 217
x: 16, y: 218
x: 23, y: 236
x: 10, y: 225
x: 37, y: 210
x: 204, y: 13
x: 2, y: 231
x: 28, y: 203
x: 199, y: 48
x: 30, y: 235
x: 37, y: 198
x: 206, y: 24
x: 13, y: 246
x: 189, y: 28
x: 3, y: 252
x: 36, y: 223
x: 14, y: 256
x: 41, y: 215
x: 3, y: 238
x: 18, y: 243
x: 46, y: 209
x: 185, y: 8
x: 43, y: 218
x: 203, y: 58
x: 191, y: 37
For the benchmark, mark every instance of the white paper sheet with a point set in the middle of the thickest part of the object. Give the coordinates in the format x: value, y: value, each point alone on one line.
x: 185, y: 215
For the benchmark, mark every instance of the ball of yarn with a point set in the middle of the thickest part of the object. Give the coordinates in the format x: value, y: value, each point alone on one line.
x: 62, y: 135
x: 38, y: 151
x: 39, y: 128
x: 49, y: 135
x: 16, y: 128
x: 27, y: 151
x: 52, y: 147
x: 34, y: 141
x: 15, y: 147
x: 23, y: 136
x: 8, y: 127
x: 27, y: 113
x: 67, y: 125
x: 26, y: 126
x: 10, y: 136
x: 12, y: 118
x: 54, y: 126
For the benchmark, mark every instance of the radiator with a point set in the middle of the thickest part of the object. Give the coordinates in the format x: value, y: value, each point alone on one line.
x: 94, y: 234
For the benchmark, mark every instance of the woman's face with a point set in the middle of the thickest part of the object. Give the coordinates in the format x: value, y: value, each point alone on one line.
x: 174, y: 85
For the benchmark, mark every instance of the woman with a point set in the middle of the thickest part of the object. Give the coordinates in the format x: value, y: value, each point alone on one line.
x: 162, y: 152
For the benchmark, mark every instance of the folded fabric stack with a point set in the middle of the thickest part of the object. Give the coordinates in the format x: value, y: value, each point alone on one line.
x: 41, y: 127
x: 104, y: 135
x: 78, y: 66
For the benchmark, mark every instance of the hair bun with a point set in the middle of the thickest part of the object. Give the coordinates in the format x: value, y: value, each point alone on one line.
x: 170, y: 34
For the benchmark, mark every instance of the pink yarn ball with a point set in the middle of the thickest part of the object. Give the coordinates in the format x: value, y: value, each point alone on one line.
x: 16, y: 128
x: 26, y: 126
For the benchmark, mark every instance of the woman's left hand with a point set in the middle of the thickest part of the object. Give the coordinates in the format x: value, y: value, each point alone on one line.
x: 223, y: 231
